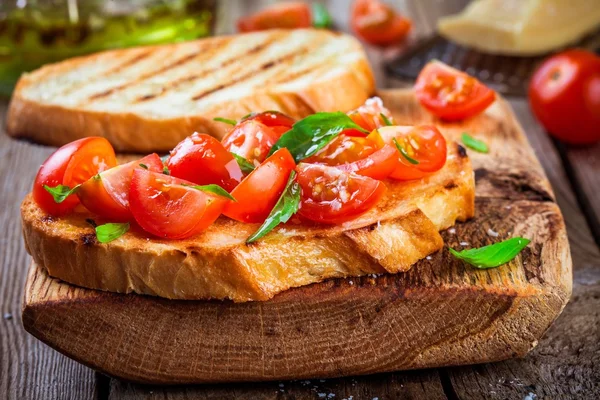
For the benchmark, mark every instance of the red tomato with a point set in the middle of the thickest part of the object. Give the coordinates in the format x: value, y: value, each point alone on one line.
x: 257, y: 194
x: 108, y: 196
x: 451, y: 94
x: 71, y: 165
x: 367, y: 156
x: 424, y: 143
x: 377, y: 23
x: 272, y: 119
x: 332, y: 196
x: 163, y: 206
x: 564, y: 94
x: 369, y: 117
x: 277, y: 16
x: 251, y: 140
x: 202, y: 159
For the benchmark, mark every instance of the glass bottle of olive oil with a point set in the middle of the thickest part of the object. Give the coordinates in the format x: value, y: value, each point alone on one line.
x: 36, y: 32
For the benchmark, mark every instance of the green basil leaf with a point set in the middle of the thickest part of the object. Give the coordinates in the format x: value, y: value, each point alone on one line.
x: 494, y: 255
x: 144, y: 166
x: 109, y: 232
x: 474, y: 144
x: 311, y: 134
x: 215, y: 189
x: 225, y: 120
x: 404, y: 153
x: 385, y: 119
x: 60, y: 192
x: 321, y: 17
x: 245, y: 165
x: 286, y: 206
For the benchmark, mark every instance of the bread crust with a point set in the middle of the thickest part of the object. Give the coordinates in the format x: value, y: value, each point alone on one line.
x: 56, y: 124
x: 217, y: 264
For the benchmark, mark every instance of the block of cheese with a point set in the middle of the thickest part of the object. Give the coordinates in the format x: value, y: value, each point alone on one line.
x: 521, y: 27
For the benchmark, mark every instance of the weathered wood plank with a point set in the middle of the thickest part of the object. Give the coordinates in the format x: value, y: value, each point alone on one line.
x: 28, y: 368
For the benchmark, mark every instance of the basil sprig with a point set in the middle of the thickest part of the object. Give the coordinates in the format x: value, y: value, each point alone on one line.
x: 286, y: 206
x: 321, y: 17
x: 109, y: 232
x: 245, y: 165
x: 311, y: 134
x: 404, y: 153
x: 494, y: 255
x: 474, y: 144
x: 226, y: 120
x: 385, y: 119
x: 60, y: 192
x: 215, y: 189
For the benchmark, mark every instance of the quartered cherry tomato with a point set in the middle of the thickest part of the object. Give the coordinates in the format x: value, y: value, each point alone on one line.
x: 332, y: 196
x: 424, y: 144
x: 378, y: 23
x: 71, y: 165
x: 451, y: 94
x: 277, y: 16
x: 202, y: 159
x: 366, y: 155
x: 167, y: 207
x: 564, y: 94
x: 257, y: 194
x: 107, y: 194
x: 251, y: 140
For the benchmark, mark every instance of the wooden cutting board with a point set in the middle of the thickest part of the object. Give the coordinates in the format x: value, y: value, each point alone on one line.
x: 441, y: 312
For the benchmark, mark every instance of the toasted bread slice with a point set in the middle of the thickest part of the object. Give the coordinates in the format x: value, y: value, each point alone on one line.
x: 218, y: 264
x: 150, y: 98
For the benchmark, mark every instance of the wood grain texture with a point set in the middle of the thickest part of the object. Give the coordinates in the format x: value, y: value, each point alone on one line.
x: 441, y: 312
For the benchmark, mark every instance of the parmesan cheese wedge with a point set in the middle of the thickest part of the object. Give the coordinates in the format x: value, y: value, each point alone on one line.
x: 521, y: 27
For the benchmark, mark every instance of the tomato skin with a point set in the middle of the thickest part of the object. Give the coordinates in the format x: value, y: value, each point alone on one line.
x: 378, y: 165
x: 108, y: 197
x: 71, y: 165
x: 431, y: 152
x: 277, y: 16
x: 272, y: 119
x: 163, y: 206
x: 377, y: 23
x: 257, y: 194
x: 251, y: 140
x: 202, y: 159
x: 564, y: 94
x: 451, y: 94
x: 332, y: 196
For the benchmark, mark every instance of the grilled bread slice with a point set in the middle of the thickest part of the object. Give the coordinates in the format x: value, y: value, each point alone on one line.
x: 150, y: 98
x: 218, y: 264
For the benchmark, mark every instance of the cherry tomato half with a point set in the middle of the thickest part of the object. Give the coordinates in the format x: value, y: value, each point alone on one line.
x: 257, y: 194
x: 424, y: 144
x: 332, y: 196
x: 165, y: 207
x: 202, y: 159
x: 107, y: 194
x: 451, y: 94
x: 71, y: 165
x: 369, y: 117
x: 272, y: 119
x: 377, y: 23
x: 251, y: 140
x: 564, y: 94
x: 277, y: 16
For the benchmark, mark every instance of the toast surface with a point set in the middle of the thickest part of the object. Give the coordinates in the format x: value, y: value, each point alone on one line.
x: 150, y: 98
x: 218, y: 264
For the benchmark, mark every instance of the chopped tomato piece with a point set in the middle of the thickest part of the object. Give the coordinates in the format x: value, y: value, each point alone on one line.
x: 107, y: 194
x: 257, y: 194
x: 451, y: 94
x: 424, y: 144
x: 332, y: 196
x: 251, y: 140
x: 273, y: 119
x: 377, y: 23
x: 71, y: 165
x: 202, y: 159
x: 369, y: 116
x: 168, y: 207
x: 277, y: 16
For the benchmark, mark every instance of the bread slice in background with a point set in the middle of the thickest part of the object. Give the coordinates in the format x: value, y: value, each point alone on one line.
x: 150, y: 98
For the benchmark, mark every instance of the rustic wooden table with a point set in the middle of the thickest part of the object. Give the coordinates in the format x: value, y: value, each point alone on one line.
x: 565, y: 364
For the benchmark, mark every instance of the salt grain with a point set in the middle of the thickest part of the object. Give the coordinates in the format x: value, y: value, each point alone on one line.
x: 492, y: 233
x: 7, y: 316
x: 428, y: 258
x: 464, y: 243
x: 452, y: 231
